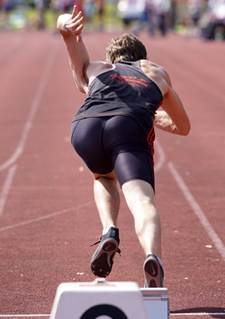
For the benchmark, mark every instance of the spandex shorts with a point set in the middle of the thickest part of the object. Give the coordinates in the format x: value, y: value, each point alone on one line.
x: 113, y: 143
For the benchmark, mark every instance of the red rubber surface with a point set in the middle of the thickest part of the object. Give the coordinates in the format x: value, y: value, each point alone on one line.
x: 48, y: 218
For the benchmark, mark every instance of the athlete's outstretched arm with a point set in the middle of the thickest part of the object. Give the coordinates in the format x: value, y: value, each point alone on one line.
x: 70, y: 27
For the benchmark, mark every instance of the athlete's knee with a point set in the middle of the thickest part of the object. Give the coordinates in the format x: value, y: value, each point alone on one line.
x: 139, y: 192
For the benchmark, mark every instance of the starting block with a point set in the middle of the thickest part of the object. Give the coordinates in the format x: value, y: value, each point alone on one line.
x: 156, y: 302
x: 102, y: 299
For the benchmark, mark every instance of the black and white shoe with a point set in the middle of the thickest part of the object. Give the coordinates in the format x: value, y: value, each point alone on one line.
x: 153, y: 272
x: 102, y: 260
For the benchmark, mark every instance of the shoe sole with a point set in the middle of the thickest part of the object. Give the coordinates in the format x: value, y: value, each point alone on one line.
x: 152, y: 274
x: 101, y: 263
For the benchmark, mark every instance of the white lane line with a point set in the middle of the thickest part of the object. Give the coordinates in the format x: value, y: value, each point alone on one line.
x: 6, y: 188
x: 198, y: 211
x: 161, y: 156
x: 35, y: 103
x: 46, y: 216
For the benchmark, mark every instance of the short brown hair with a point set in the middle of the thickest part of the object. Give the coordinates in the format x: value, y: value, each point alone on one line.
x: 127, y: 48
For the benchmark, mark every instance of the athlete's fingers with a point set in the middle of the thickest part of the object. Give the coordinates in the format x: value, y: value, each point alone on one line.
x: 77, y: 17
x: 76, y: 26
x: 78, y: 29
x: 74, y: 22
x: 74, y: 13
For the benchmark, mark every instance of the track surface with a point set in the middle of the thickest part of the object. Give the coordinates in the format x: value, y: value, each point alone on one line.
x: 47, y: 214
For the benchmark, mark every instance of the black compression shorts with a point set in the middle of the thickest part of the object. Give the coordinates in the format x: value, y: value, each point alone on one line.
x: 113, y: 143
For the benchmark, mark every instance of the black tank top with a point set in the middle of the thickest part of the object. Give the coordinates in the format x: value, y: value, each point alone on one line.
x: 125, y: 90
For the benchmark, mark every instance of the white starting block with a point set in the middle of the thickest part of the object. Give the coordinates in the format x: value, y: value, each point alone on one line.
x: 102, y: 299
x: 156, y: 302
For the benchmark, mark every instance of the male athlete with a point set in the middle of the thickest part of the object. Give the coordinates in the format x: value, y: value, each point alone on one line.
x: 113, y: 132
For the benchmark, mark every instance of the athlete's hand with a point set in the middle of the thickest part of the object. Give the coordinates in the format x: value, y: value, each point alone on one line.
x: 72, y: 24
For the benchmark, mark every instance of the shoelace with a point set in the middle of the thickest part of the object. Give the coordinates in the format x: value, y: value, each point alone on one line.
x: 98, y: 242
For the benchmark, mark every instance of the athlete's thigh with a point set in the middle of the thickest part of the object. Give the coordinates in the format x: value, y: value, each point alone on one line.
x: 134, y: 165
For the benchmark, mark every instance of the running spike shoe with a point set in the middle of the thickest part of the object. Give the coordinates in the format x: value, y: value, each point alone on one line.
x: 102, y: 260
x: 153, y: 272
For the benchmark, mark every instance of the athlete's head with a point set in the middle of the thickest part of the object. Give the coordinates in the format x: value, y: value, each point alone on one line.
x: 127, y: 48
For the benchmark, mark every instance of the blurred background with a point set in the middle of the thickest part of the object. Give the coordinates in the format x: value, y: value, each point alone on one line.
x: 193, y: 18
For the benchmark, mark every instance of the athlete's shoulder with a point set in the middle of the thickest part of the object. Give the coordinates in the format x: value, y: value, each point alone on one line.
x: 157, y: 74
x: 96, y: 68
x: 151, y: 67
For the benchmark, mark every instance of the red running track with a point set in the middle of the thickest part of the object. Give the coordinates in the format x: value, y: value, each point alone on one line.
x: 47, y: 214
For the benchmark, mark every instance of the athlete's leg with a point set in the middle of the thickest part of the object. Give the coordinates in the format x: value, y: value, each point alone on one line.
x: 107, y: 201
x: 107, y: 198
x: 86, y: 137
x: 132, y: 159
x: 139, y: 196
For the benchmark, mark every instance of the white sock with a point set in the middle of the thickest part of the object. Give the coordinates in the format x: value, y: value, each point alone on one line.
x: 105, y: 230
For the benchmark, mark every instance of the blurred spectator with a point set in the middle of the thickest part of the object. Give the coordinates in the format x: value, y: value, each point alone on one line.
x: 162, y: 9
x: 100, y: 12
x: 58, y: 7
x: 173, y: 14
x: 146, y: 17
x: 88, y: 11
x: 40, y: 6
x: 195, y: 12
x: 79, y: 5
x: 212, y: 24
x: 6, y: 6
